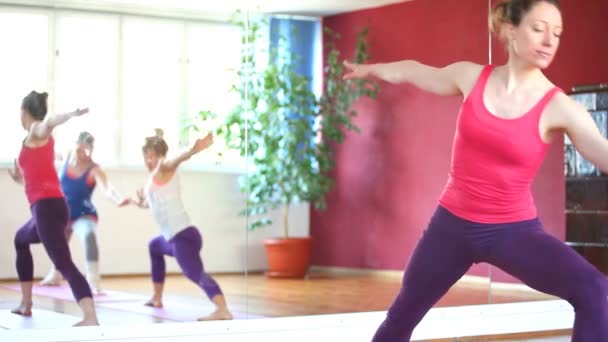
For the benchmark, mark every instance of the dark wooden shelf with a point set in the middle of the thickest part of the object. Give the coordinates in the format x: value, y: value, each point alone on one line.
x: 586, y: 178
x: 586, y: 212
x: 586, y: 226
x: 587, y: 244
x: 589, y: 88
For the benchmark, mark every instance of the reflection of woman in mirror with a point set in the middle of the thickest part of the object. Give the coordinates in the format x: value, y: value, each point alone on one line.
x: 36, y: 170
x: 510, y: 115
x: 179, y: 238
x: 79, y: 176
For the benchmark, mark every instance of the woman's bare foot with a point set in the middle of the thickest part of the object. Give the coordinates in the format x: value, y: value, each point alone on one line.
x: 155, y: 303
x: 217, y: 315
x: 88, y: 312
x: 23, y: 310
x: 87, y: 322
x: 97, y: 292
x: 53, y: 278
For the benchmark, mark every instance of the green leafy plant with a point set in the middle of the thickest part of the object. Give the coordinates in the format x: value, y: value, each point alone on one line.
x: 289, y: 131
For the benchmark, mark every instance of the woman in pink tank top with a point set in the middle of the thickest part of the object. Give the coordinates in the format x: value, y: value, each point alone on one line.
x: 35, y: 169
x: 510, y: 115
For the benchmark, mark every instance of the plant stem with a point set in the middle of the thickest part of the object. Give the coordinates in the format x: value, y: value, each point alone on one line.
x: 286, y: 221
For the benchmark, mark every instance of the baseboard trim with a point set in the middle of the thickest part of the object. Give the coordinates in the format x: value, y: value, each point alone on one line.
x: 470, y: 280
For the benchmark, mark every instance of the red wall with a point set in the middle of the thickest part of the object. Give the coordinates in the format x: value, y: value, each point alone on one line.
x: 389, y: 177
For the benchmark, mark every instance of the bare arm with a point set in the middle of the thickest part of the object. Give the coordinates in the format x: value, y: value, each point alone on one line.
x: 170, y: 165
x: 41, y: 130
x: 450, y: 80
x: 16, y: 173
x: 582, y: 130
x: 110, y: 192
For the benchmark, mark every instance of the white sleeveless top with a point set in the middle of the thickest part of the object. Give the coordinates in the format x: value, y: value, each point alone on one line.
x: 165, y: 201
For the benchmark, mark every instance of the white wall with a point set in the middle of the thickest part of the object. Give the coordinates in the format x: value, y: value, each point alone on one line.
x: 212, y: 198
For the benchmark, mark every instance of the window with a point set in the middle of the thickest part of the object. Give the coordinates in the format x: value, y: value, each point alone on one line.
x: 151, y: 83
x: 134, y: 73
x: 86, y: 75
x: 24, y: 67
x: 213, y: 58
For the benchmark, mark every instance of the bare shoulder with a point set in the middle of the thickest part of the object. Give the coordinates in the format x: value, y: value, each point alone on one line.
x: 165, y: 165
x: 465, y: 75
x: 563, y: 110
x: 97, y: 169
x: 33, y: 139
x: 467, y: 67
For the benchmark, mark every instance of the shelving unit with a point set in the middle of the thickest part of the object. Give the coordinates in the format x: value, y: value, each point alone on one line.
x: 587, y: 187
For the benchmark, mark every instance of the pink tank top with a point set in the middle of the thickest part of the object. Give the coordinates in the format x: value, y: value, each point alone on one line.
x: 39, y: 173
x: 494, y: 161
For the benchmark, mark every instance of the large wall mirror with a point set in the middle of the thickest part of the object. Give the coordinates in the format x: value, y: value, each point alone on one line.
x: 171, y: 66
x: 140, y: 68
x: 387, y: 169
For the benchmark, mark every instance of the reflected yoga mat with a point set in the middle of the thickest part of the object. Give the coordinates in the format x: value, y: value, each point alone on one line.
x: 64, y: 292
x: 172, y: 310
x: 40, y: 319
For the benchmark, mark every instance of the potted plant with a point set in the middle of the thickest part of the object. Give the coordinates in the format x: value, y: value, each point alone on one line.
x: 290, y: 134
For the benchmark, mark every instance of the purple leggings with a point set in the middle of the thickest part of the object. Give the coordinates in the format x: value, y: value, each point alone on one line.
x: 450, y: 245
x: 185, y: 246
x: 47, y: 225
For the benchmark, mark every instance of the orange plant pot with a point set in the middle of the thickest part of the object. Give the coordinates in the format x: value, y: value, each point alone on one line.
x: 288, y: 258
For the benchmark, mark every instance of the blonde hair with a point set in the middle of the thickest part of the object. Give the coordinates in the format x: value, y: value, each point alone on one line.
x: 512, y: 12
x: 156, y: 143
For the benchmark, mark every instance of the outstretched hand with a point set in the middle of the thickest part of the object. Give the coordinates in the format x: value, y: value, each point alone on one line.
x: 79, y: 112
x: 140, y: 201
x: 356, y: 71
x: 15, y: 172
x: 140, y: 195
x: 201, y: 144
x: 124, y: 202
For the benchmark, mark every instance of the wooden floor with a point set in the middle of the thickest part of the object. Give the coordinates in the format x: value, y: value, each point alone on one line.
x: 320, y: 293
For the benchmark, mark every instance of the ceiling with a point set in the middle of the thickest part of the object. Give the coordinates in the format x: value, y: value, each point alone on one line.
x: 210, y: 9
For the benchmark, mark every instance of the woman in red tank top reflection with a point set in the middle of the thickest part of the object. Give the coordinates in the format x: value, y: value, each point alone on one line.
x: 35, y: 169
x: 510, y: 115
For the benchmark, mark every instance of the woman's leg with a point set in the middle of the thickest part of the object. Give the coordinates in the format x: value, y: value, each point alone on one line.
x: 546, y: 264
x: 187, y: 246
x: 85, y: 228
x: 25, y: 236
x: 51, y: 217
x: 158, y: 248
x: 54, y: 277
x: 441, y: 257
